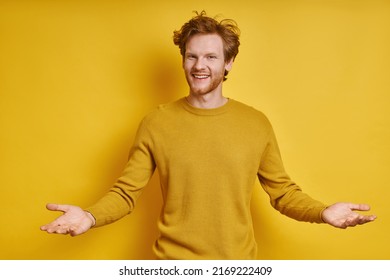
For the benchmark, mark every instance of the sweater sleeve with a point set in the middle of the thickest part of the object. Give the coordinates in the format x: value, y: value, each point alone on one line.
x: 121, y: 198
x: 285, y: 195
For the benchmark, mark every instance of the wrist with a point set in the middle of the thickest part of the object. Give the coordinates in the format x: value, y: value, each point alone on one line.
x: 91, y: 217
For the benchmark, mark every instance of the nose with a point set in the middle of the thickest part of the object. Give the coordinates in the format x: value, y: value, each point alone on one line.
x: 199, y: 64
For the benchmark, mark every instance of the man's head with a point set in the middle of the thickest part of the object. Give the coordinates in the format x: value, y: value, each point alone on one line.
x: 201, y: 24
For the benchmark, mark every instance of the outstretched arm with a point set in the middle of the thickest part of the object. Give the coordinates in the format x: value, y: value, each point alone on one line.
x: 74, y: 220
x: 343, y: 215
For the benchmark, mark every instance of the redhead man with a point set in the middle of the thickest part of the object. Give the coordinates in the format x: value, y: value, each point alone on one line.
x: 209, y: 150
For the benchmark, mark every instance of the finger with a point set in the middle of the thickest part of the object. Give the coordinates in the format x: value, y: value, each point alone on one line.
x: 52, y: 206
x: 58, y: 228
x: 366, y: 219
x: 359, y: 220
x: 50, y: 227
x: 58, y: 231
x: 54, y: 225
x: 44, y: 227
x: 359, y: 207
x: 74, y: 231
x: 57, y: 207
x: 372, y: 218
x: 62, y: 230
x: 351, y: 222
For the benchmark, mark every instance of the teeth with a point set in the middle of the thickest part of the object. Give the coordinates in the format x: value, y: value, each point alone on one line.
x: 201, y: 76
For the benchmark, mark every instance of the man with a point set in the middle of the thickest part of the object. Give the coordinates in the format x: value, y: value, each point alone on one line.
x: 208, y: 150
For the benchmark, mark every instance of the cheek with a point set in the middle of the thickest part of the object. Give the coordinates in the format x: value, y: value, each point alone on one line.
x: 187, y: 66
x: 221, y: 70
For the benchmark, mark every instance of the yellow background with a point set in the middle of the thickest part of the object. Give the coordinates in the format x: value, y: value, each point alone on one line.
x: 76, y: 77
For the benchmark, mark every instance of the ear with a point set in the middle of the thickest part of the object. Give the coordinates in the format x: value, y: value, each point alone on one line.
x: 229, y: 65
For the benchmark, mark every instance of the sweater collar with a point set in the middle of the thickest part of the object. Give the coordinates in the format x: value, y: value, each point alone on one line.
x: 206, y: 112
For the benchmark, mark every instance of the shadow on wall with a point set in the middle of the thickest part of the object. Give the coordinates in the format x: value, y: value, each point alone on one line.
x: 164, y: 82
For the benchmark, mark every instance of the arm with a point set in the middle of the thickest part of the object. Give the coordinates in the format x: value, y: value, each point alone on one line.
x: 288, y: 198
x: 74, y: 221
x: 118, y: 202
x: 285, y: 196
x: 121, y: 199
x: 342, y: 215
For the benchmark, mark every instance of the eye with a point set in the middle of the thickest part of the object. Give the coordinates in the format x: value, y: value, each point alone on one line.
x: 190, y: 56
x: 212, y: 57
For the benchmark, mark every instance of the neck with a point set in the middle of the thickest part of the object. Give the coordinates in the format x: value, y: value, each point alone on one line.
x: 206, y: 101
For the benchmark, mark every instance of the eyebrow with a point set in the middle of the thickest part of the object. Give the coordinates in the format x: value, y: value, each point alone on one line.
x: 207, y: 54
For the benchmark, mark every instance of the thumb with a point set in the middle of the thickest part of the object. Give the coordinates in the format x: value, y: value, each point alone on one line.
x: 360, y: 207
x: 57, y: 207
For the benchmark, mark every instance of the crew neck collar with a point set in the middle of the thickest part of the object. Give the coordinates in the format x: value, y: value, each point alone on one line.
x: 206, y: 112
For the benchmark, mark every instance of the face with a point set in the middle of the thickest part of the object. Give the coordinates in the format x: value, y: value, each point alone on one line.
x: 204, y: 64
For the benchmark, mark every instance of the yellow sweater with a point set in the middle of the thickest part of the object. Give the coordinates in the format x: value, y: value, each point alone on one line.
x: 208, y: 161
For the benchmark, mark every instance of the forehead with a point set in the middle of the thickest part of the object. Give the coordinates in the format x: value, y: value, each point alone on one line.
x: 205, y: 43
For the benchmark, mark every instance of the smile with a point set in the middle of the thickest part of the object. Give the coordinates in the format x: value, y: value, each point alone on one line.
x: 200, y: 76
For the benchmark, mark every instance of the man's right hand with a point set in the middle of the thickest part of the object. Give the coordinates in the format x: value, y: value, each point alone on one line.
x: 74, y: 220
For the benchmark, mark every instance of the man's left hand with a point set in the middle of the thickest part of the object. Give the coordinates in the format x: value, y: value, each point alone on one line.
x: 343, y: 215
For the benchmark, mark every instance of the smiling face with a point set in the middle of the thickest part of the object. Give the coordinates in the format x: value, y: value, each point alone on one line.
x: 204, y: 64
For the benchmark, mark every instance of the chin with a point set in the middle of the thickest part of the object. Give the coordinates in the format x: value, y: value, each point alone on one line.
x: 199, y: 91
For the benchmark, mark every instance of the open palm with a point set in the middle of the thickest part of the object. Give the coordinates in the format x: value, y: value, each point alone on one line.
x: 74, y: 220
x: 343, y: 215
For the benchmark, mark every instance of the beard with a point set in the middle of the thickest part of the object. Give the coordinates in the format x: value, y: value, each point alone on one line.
x: 203, y: 86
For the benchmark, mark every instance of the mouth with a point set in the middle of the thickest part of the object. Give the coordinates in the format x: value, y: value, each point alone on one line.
x: 200, y: 76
